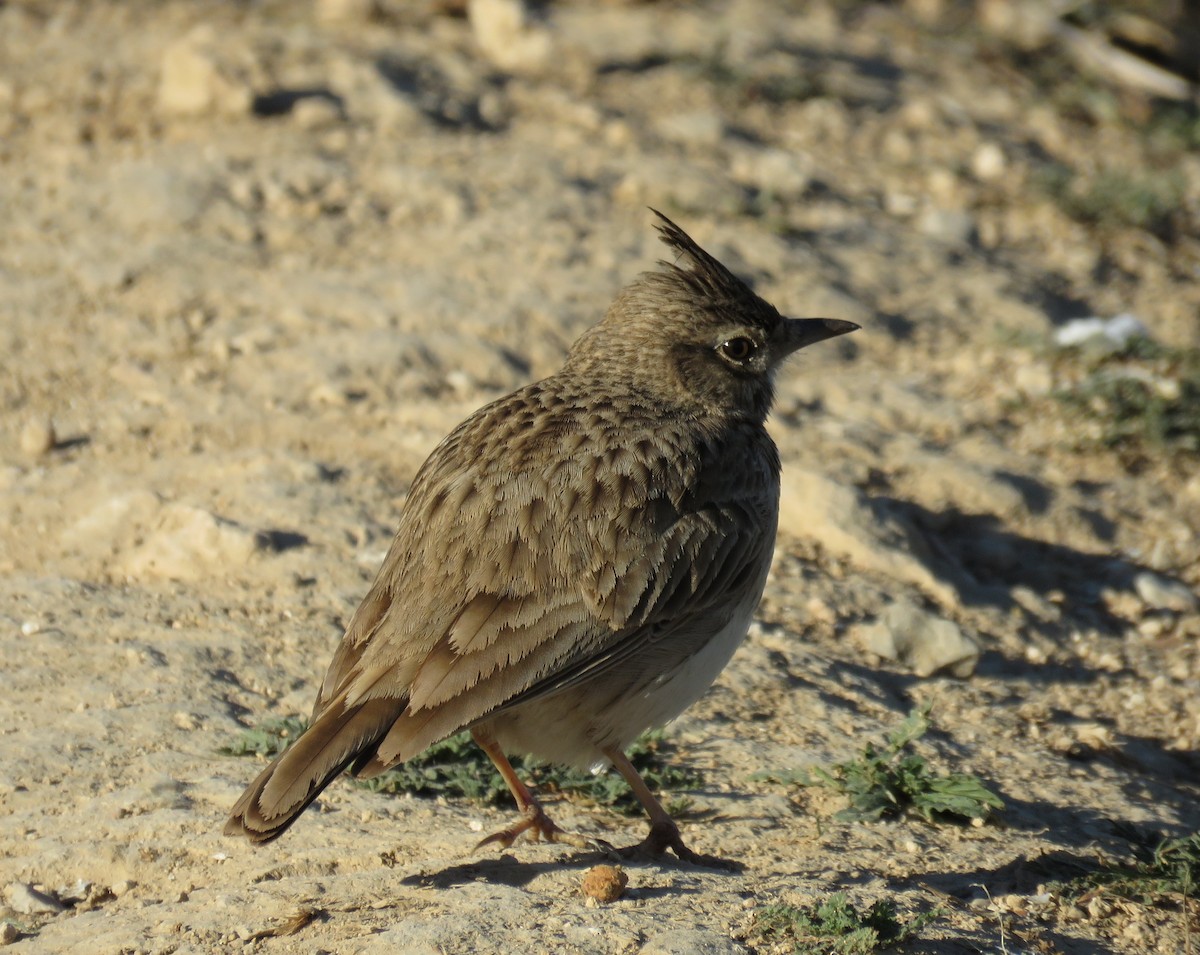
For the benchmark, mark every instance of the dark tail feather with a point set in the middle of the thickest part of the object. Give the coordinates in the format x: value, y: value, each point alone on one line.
x: 296, y: 776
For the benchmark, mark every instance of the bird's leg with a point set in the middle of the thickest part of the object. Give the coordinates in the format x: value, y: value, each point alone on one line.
x: 664, y: 833
x: 534, y: 819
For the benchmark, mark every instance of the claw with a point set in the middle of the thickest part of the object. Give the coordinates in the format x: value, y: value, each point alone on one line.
x: 664, y: 835
x: 539, y: 826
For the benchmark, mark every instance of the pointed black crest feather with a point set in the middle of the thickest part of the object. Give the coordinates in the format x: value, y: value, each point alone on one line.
x: 708, y: 277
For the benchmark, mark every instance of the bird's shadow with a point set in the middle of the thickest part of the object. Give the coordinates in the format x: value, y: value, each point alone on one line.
x: 511, y: 871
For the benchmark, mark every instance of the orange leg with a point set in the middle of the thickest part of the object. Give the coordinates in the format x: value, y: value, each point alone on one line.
x: 534, y: 819
x: 664, y: 833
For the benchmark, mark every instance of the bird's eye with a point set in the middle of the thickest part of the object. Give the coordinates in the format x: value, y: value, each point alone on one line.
x: 737, y: 349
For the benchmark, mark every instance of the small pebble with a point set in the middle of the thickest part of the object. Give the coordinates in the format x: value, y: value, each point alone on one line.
x: 9, y: 933
x: 604, y: 883
x: 1162, y: 593
x: 38, y: 437
x: 988, y: 162
x: 28, y: 900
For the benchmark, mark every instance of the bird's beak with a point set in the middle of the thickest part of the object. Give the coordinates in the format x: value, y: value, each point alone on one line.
x: 801, y: 332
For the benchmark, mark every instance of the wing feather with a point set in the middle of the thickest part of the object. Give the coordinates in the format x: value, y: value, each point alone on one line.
x: 500, y: 588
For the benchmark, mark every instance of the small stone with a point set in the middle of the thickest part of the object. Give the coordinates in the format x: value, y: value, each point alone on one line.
x: 38, y: 437
x: 1107, y: 334
x: 923, y: 642
x: 9, y: 933
x: 1138, y: 934
x: 604, y: 883
x: 988, y: 163
x: 899, y: 204
x: 24, y: 899
x: 332, y: 11
x: 123, y: 887
x: 951, y: 226
x: 505, y: 36
x: 1033, y: 379
x: 196, y: 79
x: 781, y: 173
x: 1161, y: 593
x: 693, y: 128
x: 315, y: 112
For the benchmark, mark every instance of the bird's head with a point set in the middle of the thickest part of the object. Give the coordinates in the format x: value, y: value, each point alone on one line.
x: 695, y: 336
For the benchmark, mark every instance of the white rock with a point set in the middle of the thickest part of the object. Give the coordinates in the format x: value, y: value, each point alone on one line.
x: 26, y: 900
x: 1112, y: 332
x: 988, y: 163
x: 504, y: 34
x: 923, y: 642
x: 1164, y: 594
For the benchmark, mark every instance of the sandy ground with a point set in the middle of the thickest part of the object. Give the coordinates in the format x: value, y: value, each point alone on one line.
x: 258, y: 258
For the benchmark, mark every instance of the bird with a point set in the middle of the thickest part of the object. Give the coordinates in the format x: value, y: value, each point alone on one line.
x: 575, y: 563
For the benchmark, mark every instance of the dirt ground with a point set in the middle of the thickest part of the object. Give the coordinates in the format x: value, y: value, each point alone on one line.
x: 258, y: 258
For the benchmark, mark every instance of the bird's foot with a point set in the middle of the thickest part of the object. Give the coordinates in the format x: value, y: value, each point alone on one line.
x: 539, y: 826
x: 665, y: 835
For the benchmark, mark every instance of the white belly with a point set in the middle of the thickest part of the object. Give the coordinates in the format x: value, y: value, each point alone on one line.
x: 571, y: 727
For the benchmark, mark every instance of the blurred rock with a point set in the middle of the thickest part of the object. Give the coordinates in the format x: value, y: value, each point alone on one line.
x: 1161, y: 593
x: 198, y: 77
x: 24, y: 899
x: 1111, y: 333
x: 924, y: 643
x: 1033, y: 378
x: 315, y: 112
x: 334, y: 11
x: 682, y: 184
x: 1028, y: 23
x: 952, y: 226
x: 38, y: 437
x: 781, y: 173
x: 506, y: 37
x: 988, y: 163
x: 693, y: 128
x: 9, y: 933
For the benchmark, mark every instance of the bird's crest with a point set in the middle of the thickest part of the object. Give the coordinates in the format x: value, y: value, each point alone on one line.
x: 702, y: 273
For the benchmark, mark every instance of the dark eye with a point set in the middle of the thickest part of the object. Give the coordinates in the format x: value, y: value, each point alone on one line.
x: 737, y: 349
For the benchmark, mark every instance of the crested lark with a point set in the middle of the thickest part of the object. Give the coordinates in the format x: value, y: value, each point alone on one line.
x: 575, y: 563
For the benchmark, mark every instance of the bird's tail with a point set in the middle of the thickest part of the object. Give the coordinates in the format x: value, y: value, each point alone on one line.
x: 333, y: 741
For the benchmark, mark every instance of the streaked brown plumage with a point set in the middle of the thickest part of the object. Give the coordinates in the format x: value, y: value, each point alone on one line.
x: 576, y: 562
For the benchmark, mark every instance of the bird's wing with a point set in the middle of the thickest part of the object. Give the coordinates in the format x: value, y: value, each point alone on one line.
x: 500, y: 588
